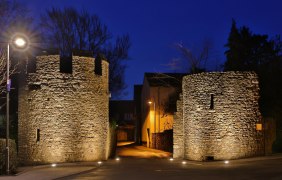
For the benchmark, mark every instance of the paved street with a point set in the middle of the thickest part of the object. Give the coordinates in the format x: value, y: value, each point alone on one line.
x: 131, y: 168
x: 154, y: 164
x: 47, y: 172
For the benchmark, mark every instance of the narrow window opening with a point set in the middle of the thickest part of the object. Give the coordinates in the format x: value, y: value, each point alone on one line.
x: 98, y: 65
x: 209, y: 158
x: 37, y: 135
x: 34, y: 87
x: 212, y: 102
x: 66, y: 63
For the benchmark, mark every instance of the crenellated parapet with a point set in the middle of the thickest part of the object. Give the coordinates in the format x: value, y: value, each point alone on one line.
x: 63, y: 115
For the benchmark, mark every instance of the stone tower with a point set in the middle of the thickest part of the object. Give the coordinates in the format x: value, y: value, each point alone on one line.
x: 63, y: 116
x: 217, y: 117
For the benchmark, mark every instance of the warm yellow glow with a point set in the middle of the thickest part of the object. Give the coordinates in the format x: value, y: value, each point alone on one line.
x: 226, y: 162
x: 184, y: 162
x: 99, y: 162
x: 53, y: 165
x: 117, y: 159
x: 150, y: 102
x: 258, y: 127
x: 171, y: 159
x: 20, y: 42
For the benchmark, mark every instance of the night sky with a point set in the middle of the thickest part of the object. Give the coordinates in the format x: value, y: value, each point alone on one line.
x: 155, y: 26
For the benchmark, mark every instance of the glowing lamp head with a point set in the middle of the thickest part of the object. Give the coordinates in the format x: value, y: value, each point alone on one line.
x: 150, y: 102
x: 99, y: 162
x: 20, y: 42
x: 171, y: 159
x: 117, y: 159
x: 53, y: 165
x: 226, y: 162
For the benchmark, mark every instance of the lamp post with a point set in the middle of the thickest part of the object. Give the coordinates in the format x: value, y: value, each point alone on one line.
x: 153, y: 102
x: 21, y: 43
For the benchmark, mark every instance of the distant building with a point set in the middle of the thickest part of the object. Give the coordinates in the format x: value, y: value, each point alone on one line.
x: 123, y: 114
x: 160, y: 92
x: 138, y: 115
x: 205, y: 116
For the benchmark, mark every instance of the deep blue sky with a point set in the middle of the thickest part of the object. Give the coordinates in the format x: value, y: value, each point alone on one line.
x: 155, y: 26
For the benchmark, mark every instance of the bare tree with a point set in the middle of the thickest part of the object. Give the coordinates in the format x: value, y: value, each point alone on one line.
x: 69, y: 29
x: 116, y: 55
x: 13, y: 18
x: 196, y: 59
x: 3, y: 73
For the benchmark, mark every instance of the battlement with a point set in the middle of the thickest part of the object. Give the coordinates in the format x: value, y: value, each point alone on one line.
x: 63, y: 116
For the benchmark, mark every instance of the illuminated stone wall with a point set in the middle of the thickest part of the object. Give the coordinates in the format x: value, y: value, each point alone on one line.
x: 63, y: 117
x: 178, y: 138
x: 220, y: 113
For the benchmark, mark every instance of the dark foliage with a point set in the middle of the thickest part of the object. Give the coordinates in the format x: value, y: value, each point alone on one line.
x: 14, y: 19
x: 252, y: 52
x: 247, y: 51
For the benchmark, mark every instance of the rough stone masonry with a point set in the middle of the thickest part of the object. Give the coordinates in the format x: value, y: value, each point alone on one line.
x: 217, y: 117
x: 63, y: 117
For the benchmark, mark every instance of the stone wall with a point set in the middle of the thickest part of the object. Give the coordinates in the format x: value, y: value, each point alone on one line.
x: 112, y: 139
x: 163, y: 141
x: 12, y: 156
x: 220, y: 113
x: 178, y: 138
x: 63, y: 117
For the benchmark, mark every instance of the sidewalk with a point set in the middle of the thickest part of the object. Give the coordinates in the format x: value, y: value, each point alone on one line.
x: 47, y: 172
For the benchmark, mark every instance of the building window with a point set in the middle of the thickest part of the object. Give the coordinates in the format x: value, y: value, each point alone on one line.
x: 212, y: 102
x: 259, y: 127
x: 98, y: 65
x: 66, y: 64
x: 128, y: 116
x: 37, y: 135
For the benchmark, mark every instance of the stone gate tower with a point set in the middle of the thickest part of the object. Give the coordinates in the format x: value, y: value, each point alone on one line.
x: 63, y: 112
x: 218, y: 117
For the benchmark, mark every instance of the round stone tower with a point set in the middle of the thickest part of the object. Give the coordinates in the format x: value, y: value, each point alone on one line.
x: 221, y: 116
x: 63, y: 111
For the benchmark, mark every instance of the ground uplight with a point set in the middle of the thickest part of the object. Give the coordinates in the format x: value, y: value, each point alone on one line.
x: 53, y: 165
x: 226, y: 162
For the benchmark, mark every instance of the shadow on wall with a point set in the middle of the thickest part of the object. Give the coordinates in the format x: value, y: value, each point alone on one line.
x: 277, y: 144
x: 163, y: 141
x: 113, y: 140
x: 273, y: 142
x: 12, y: 156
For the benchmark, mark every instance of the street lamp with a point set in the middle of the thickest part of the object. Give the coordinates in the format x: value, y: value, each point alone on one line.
x: 21, y: 43
x: 153, y: 102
